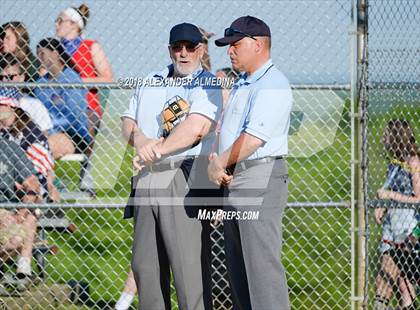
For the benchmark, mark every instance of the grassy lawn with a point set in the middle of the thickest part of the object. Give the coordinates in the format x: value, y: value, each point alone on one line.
x: 384, y: 106
x: 316, y: 251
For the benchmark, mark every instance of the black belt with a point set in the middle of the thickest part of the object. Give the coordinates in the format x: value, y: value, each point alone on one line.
x: 246, y: 164
x: 169, y: 164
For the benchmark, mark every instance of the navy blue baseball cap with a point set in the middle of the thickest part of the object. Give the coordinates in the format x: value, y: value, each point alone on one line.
x: 245, y: 26
x: 185, y: 32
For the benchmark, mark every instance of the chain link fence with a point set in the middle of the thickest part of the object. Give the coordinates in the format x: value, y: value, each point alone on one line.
x: 83, y: 247
x: 392, y: 131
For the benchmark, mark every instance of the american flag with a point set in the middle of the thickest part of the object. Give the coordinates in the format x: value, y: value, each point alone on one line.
x: 35, y: 144
x: 36, y: 147
x: 10, y: 92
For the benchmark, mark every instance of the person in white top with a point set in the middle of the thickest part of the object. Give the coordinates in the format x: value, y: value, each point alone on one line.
x: 37, y: 111
x: 11, y: 70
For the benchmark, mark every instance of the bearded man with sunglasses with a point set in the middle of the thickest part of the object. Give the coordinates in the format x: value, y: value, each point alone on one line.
x: 250, y: 166
x: 168, y: 236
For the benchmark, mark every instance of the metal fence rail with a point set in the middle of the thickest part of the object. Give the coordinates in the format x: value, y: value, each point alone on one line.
x: 347, y: 84
x: 98, y: 254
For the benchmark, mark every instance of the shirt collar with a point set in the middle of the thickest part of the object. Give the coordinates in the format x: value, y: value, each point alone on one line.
x: 249, y: 79
x: 170, y: 69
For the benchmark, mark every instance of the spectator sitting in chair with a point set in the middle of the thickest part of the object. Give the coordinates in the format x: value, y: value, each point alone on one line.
x: 398, y: 263
x: 67, y: 106
x: 15, y: 125
x: 11, y: 70
x: 91, y: 62
x: 18, y: 183
x: 17, y: 235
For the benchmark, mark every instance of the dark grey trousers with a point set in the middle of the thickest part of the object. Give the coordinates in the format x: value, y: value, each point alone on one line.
x: 167, y: 238
x: 256, y: 275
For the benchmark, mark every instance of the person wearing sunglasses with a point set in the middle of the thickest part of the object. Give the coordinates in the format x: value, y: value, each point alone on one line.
x: 12, y: 70
x: 250, y: 166
x: 168, y: 235
x: 16, y: 125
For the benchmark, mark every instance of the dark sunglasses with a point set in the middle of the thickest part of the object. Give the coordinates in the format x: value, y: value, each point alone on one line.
x: 190, y: 47
x: 8, y: 77
x: 230, y: 32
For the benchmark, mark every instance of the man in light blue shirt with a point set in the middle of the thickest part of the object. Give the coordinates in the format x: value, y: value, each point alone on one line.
x: 167, y: 233
x: 252, y: 143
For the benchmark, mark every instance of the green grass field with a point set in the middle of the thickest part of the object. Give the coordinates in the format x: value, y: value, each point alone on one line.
x: 316, y: 251
x: 385, y: 105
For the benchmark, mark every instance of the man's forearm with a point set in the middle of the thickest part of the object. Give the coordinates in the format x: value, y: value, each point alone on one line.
x: 132, y: 134
x: 127, y: 128
x: 241, y: 149
x: 31, y: 184
x: 31, y: 189
x: 186, y: 134
x: 139, y: 138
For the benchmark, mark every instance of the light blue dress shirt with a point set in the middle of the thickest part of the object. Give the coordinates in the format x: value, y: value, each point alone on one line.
x: 151, y: 95
x: 260, y: 105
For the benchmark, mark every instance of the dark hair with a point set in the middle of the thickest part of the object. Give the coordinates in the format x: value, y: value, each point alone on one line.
x: 23, y: 51
x: 8, y: 59
x: 84, y: 12
x: 55, y: 45
x: 399, y: 140
x: 22, y: 121
x: 22, y: 37
x: 268, y: 41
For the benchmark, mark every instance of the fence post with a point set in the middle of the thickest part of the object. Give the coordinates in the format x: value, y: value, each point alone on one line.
x: 353, y: 163
x: 360, y: 149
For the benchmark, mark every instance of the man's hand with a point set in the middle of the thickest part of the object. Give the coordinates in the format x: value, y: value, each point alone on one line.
x: 31, y: 188
x: 216, y: 171
x: 379, y: 215
x: 147, y: 153
x: 22, y: 214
